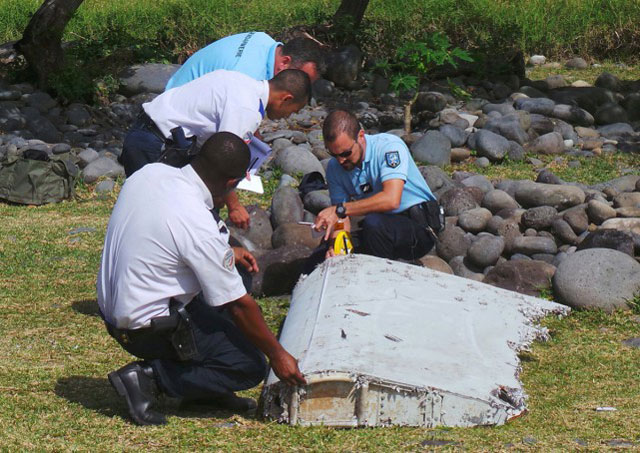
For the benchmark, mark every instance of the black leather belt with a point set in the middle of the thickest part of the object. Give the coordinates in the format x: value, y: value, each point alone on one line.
x: 127, y: 335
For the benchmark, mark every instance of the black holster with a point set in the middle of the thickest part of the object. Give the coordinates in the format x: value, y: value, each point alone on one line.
x: 177, y: 326
x: 429, y: 215
x: 179, y: 150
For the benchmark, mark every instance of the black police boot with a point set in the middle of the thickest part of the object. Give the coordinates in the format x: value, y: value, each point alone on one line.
x: 135, y: 382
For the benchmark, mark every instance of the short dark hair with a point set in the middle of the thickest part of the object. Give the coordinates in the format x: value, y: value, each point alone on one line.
x: 340, y: 121
x: 223, y: 156
x: 305, y: 50
x: 295, y: 82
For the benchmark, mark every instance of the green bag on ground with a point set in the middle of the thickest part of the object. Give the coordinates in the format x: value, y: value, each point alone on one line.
x: 37, y: 178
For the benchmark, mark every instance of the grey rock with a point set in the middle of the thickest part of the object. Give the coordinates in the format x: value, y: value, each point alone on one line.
x: 485, y: 251
x: 317, y: 200
x: 104, y: 187
x: 491, y: 145
x: 460, y: 154
x: 627, y: 199
x: 452, y: 242
x: 456, y: 136
x: 433, y: 148
x: 41, y: 101
x: 482, y: 162
x: 522, y: 275
x: 431, y: 101
x: 497, y: 200
x: 622, y: 184
x: 545, y: 176
x: 298, y: 159
x: 509, y: 127
x: 528, y: 245
x: 551, y: 143
x: 259, y: 231
x: 615, y: 130
x: 78, y: 115
x: 537, y: 60
x: 43, y: 128
x: 479, y: 181
x: 343, y: 66
x: 323, y: 88
x: 576, y: 63
x: 87, y: 156
x: 532, y: 194
x: 631, y: 225
x: 632, y: 105
x: 516, y: 152
x: 102, y: 166
x: 577, y: 219
x: 279, y: 270
x: 598, y: 211
x: 474, y: 220
x: 293, y: 234
x: 286, y: 206
x: 461, y: 270
x: 611, y: 113
x: 556, y: 81
x: 435, y: 263
x: 608, y: 81
x: 60, y: 148
x: 539, y: 218
x: 503, y: 109
x: 563, y: 232
x: 632, y: 342
x: 532, y: 92
x: 597, y: 278
x: 435, y: 177
x: 609, y: 239
x: 146, y: 78
x: 541, y: 124
x: 10, y: 95
x: 457, y: 200
x: 542, y: 106
x: 574, y: 115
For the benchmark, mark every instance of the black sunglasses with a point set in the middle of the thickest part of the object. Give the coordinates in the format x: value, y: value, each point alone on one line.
x: 344, y: 154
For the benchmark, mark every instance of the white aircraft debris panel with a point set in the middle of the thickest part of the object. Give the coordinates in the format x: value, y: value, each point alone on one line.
x: 386, y: 343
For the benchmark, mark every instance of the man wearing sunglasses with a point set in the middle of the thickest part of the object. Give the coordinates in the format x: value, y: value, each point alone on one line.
x: 374, y: 176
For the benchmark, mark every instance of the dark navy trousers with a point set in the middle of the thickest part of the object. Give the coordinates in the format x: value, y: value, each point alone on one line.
x: 391, y: 236
x: 142, y: 145
x: 226, y: 361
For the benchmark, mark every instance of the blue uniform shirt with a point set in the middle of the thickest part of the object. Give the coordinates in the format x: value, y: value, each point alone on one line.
x: 251, y: 53
x: 386, y: 157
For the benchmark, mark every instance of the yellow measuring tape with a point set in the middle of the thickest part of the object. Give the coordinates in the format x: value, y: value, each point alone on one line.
x: 342, y: 244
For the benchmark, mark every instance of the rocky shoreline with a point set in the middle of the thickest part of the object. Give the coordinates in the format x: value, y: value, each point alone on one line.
x: 528, y: 236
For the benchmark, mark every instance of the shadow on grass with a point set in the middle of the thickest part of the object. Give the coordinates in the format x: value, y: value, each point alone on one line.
x: 93, y: 393
x: 87, y: 307
x: 96, y: 394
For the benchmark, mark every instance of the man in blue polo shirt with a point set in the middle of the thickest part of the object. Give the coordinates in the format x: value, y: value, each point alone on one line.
x: 375, y: 176
x: 255, y: 54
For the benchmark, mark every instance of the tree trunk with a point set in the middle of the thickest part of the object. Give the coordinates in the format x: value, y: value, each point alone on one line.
x: 352, y: 10
x: 41, y: 40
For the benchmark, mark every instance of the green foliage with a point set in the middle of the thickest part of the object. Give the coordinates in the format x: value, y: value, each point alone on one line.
x: 415, y: 59
x: 634, y: 304
x: 458, y: 91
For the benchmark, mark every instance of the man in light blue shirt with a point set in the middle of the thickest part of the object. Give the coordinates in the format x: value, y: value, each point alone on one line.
x: 375, y: 176
x: 255, y: 54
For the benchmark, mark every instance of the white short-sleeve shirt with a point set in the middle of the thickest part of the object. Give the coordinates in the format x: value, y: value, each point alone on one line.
x: 162, y: 241
x: 218, y: 101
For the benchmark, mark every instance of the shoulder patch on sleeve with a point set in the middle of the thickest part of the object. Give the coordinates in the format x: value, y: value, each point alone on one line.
x: 228, y: 261
x: 392, y: 158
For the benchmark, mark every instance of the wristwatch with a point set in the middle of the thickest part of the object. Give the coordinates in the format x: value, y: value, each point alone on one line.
x: 341, y: 211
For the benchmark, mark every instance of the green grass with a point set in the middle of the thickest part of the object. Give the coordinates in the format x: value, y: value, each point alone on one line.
x: 591, y: 170
x: 586, y: 27
x: 55, y: 355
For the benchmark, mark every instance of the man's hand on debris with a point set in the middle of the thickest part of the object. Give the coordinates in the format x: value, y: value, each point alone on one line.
x: 325, y: 221
x: 285, y: 366
x: 245, y: 258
